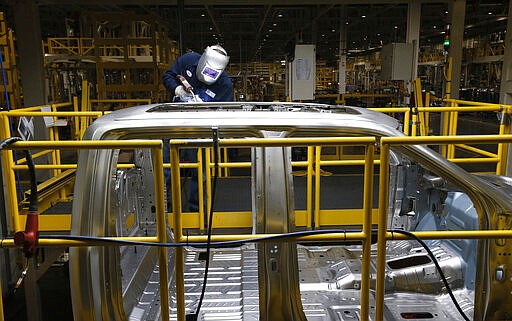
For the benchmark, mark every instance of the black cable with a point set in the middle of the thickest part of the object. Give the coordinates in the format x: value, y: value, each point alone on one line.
x: 9, y: 141
x: 28, y: 237
x: 33, y: 205
x: 31, y: 168
x: 438, y: 267
x: 220, y: 244
x: 215, y: 137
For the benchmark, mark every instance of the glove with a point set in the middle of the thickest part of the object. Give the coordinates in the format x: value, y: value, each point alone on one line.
x: 183, y: 94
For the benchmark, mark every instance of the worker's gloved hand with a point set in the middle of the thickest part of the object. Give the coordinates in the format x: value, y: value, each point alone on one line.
x: 183, y: 94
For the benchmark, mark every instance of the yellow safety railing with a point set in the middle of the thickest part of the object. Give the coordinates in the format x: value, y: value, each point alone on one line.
x: 365, y: 235
x: 10, y: 165
x: 383, y: 235
x: 451, y: 122
x: 161, y: 234
x: 176, y: 221
x: 312, y: 216
x: 76, y: 115
x: 415, y: 121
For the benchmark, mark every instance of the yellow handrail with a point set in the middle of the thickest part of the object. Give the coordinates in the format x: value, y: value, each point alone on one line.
x: 383, y: 235
x: 365, y: 236
x: 487, y: 157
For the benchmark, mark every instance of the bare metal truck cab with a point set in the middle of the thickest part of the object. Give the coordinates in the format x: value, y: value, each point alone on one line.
x: 293, y: 280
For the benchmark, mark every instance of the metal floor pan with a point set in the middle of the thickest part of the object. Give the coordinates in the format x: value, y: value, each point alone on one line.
x: 330, y: 280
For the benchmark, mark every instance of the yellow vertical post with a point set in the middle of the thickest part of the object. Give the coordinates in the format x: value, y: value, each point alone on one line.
x: 200, y: 186
x: 318, y: 152
x: 419, y: 104
x: 179, y: 268
x: 445, y: 131
x: 449, y: 151
x: 381, y: 233
x: 502, y: 152
x: 448, y: 90
x: 85, y: 104
x: 421, y: 116
x: 414, y: 121
x: 367, y: 231
x: 309, y: 200
x: 56, y: 152
x: 453, y: 129
x: 161, y: 231
x: 51, y: 133
x: 9, y: 177
x: 83, y: 107
x: 207, y: 166
x: 407, y: 117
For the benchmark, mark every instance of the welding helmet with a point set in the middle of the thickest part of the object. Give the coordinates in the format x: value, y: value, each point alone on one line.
x: 211, y: 64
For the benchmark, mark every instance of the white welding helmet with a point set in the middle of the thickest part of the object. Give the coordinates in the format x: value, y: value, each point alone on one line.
x: 211, y: 64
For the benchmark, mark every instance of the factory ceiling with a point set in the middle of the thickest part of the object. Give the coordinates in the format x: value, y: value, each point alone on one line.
x: 265, y: 30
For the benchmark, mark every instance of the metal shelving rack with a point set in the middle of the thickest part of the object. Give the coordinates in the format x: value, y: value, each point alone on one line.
x: 10, y: 89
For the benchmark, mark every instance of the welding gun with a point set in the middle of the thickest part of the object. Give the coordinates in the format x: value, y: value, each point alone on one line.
x: 188, y: 87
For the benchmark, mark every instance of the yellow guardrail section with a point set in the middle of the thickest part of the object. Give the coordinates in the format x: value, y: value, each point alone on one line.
x: 312, y: 215
x: 55, y: 162
x: 386, y: 144
x: 415, y: 119
x: 416, y: 122
x: 177, y: 222
x: 77, y: 117
x: 177, y: 219
x: 161, y: 234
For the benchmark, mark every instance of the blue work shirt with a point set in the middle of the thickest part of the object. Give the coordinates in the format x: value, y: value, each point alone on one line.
x: 186, y: 65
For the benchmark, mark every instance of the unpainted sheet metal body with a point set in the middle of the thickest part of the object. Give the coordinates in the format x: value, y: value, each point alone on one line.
x: 421, y: 198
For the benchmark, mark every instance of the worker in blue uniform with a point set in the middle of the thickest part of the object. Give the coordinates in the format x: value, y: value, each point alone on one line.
x: 205, y: 73
x: 197, y: 78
